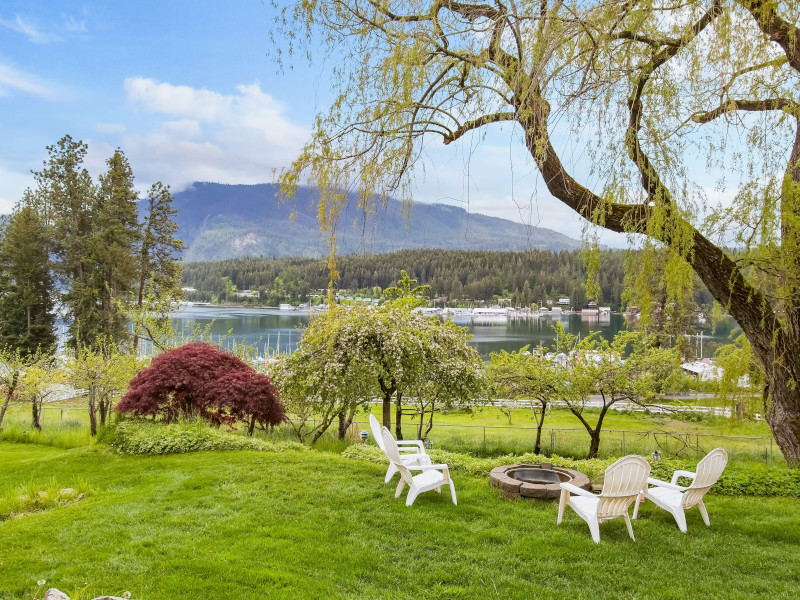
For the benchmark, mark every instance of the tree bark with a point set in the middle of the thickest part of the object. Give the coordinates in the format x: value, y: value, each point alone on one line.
x: 252, y: 425
x: 92, y: 412
x: 398, y: 417
x: 9, y: 393
x: 36, y: 414
x: 388, y: 391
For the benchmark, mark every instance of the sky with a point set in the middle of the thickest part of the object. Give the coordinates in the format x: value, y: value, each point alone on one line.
x: 189, y: 92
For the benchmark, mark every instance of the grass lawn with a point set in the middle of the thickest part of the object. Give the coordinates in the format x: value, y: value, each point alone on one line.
x: 314, y: 525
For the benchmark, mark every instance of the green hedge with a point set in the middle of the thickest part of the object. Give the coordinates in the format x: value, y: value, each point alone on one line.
x: 143, y: 437
x: 739, y: 479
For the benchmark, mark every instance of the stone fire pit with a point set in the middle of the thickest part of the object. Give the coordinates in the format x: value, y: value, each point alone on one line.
x: 535, y: 481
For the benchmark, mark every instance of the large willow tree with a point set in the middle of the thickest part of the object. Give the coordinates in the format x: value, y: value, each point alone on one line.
x: 659, y: 100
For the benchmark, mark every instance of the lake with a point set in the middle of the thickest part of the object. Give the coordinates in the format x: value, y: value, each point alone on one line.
x: 278, y: 330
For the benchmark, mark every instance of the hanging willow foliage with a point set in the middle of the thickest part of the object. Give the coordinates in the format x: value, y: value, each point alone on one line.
x: 662, y: 100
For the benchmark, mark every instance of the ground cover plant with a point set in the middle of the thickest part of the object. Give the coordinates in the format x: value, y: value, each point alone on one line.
x: 315, y: 525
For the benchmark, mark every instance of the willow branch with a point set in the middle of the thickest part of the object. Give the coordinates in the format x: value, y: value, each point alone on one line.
x: 479, y: 122
x: 747, y: 105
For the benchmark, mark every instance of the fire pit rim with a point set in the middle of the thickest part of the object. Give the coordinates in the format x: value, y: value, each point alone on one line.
x: 514, y: 488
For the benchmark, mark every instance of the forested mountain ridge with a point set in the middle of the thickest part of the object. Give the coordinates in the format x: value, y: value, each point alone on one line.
x: 525, y: 277
x: 219, y: 221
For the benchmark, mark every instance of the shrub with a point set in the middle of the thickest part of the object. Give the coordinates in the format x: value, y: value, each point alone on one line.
x: 130, y: 437
x: 201, y: 380
x: 742, y: 479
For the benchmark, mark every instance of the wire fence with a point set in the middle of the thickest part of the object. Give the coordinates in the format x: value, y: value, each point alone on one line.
x: 506, y: 439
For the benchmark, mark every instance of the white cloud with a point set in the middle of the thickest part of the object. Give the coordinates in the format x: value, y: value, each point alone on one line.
x: 29, y: 30
x: 68, y: 28
x: 13, y: 79
x: 203, y: 135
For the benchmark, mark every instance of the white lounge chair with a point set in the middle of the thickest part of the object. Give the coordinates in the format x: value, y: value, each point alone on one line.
x: 433, y: 477
x: 676, y: 499
x: 624, y: 481
x: 412, y: 452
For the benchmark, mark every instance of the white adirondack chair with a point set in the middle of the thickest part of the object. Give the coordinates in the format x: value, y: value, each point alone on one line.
x: 412, y: 452
x: 624, y: 481
x: 433, y: 477
x: 676, y: 499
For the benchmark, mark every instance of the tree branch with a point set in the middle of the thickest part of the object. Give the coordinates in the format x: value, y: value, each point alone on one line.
x: 480, y: 122
x: 748, y: 105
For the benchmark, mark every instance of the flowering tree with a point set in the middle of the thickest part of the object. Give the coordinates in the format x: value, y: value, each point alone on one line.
x: 202, y: 380
x: 353, y: 354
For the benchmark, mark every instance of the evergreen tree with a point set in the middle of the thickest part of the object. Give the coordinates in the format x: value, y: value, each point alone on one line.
x: 63, y: 198
x: 159, y: 269
x: 26, y: 286
x: 115, y: 231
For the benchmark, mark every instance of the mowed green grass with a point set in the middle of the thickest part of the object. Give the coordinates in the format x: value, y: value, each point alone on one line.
x: 315, y: 525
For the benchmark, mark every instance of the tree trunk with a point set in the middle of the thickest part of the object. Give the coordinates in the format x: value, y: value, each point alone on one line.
x: 537, y: 449
x: 343, y: 424
x: 398, y: 417
x: 9, y: 393
x: 36, y: 415
x: 252, y: 426
x: 387, y: 403
x: 782, y: 396
x: 594, y: 445
x: 92, y: 412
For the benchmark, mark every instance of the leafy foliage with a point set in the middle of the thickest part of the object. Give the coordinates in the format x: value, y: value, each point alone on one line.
x: 142, y: 437
x: 201, y: 380
x: 738, y: 479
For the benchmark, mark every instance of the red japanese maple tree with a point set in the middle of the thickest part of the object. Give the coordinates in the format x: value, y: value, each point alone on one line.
x: 205, y: 381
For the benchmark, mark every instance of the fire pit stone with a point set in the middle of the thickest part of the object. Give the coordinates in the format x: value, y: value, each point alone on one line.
x: 535, y: 481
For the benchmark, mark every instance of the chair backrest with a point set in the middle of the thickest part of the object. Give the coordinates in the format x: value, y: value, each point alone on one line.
x: 707, y: 474
x: 622, y: 484
x: 376, y: 432
x: 393, y: 454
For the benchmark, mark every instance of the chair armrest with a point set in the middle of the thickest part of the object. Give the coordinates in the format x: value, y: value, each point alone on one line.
x: 417, y: 443
x: 426, y: 467
x: 417, y: 456
x: 678, y: 474
x: 664, y: 484
x: 574, y: 489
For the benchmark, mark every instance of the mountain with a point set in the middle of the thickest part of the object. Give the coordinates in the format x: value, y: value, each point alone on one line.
x: 219, y: 221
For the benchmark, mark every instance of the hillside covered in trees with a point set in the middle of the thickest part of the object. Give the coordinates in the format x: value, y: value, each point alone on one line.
x: 460, y: 276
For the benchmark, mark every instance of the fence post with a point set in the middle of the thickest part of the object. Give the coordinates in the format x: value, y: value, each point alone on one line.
x: 697, y: 445
x: 484, y: 437
x: 770, y: 450
x: 623, y: 443
x: 552, y: 440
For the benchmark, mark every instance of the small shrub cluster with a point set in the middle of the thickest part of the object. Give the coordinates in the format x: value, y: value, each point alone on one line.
x: 140, y: 437
x: 737, y: 480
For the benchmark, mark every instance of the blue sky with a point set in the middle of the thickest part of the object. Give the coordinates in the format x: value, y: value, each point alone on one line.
x: 188, y: 91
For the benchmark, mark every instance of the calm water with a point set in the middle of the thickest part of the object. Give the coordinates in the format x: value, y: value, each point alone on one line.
x: 279, y: 330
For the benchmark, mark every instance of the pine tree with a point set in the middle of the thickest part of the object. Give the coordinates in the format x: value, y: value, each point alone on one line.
x: 160, y: 272
x: 159, y: 269
x: 115, y: 231
x: 63, y: 198
x: 26, y: 287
